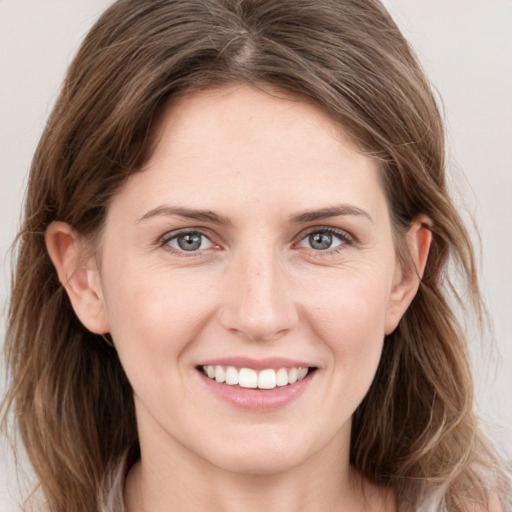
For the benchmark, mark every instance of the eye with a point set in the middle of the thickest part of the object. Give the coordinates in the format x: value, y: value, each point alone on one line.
x: 324, y: 239
x: 189, y: 241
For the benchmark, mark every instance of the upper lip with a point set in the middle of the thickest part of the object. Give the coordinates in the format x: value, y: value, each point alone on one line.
x: 257, y: 364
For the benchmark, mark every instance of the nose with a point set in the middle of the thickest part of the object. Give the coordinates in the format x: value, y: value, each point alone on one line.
x: 258, y: 296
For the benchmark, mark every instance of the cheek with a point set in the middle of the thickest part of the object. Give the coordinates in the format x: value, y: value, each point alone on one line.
x: 350, y: 302
x: 155, y: 314
x: 350, y: 318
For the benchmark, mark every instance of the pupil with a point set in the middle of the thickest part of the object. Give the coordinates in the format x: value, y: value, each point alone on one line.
x: 189, y: 241
x: 320, y: 241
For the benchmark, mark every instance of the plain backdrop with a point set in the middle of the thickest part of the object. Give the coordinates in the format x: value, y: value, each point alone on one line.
x: 465, y: 47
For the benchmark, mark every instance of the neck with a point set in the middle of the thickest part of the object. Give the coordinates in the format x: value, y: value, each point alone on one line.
x: 324, y: 482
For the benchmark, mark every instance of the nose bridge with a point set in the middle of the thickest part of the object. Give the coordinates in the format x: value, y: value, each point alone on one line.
x: 259, y: 303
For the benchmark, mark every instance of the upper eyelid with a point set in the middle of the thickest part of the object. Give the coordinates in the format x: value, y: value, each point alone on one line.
x: 169, y: 235
x: 162, y: 242
x: 346, y: 235
x: 342, y: 233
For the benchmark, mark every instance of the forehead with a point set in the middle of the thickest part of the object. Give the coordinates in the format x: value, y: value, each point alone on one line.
x: 240, y: 143
x: 245, y: 114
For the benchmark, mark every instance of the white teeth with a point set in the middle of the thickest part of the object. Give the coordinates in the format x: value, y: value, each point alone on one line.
x: 282, y: 377
x: 231, y: 376
x: 267, y: 379
x: 249, y: 378
x: 220, y: 374
x: 292, y: 375
x: 302, y: 373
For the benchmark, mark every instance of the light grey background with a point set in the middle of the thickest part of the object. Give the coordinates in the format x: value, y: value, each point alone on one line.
x: 466, y: 49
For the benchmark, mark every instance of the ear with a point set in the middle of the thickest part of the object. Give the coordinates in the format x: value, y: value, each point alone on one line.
x: 408, y: 275
x: 80, y: 277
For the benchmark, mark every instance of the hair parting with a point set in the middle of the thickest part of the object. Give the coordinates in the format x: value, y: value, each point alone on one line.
x: 69, y: 397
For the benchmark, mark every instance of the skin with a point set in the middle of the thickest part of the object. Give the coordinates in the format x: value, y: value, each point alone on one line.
x: 257, y: 288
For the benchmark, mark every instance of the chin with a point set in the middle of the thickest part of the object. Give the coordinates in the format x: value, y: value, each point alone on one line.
x: 260, y: 464
x: 260, y: 453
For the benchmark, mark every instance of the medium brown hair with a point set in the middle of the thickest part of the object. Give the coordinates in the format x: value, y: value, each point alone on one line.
x: 416, y: 430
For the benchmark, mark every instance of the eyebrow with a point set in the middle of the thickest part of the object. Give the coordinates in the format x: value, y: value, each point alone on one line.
x: 332, y: 211
x: 214, y: 218
x: 187, y: 213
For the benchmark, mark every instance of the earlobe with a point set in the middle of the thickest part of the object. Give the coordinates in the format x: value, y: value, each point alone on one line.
x: 408, y: 276
x: 78, y: 275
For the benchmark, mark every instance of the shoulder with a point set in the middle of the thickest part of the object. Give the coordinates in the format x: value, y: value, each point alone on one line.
x: 380, y: 498
x: 493, y: 505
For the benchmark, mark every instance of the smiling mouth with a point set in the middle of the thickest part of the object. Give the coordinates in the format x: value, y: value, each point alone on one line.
x: 251, y: 379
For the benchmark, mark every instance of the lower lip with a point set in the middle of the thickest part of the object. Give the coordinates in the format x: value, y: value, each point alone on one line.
x: 257, y: 400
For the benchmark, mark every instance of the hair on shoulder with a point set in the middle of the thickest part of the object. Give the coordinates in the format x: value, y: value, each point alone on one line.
x: 416, y: 430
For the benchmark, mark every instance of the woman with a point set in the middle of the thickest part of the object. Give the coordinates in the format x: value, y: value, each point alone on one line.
x: 231, y: 284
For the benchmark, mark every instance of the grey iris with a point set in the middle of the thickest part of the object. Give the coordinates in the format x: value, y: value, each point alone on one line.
x: 320, y: 241
x: 189, y: 241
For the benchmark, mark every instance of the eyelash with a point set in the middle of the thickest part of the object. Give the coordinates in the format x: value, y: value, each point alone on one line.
x: 344, y: 238
x: 164, y: 240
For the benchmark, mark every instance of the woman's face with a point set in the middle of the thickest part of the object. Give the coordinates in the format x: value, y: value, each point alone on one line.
x: 255, y: 242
